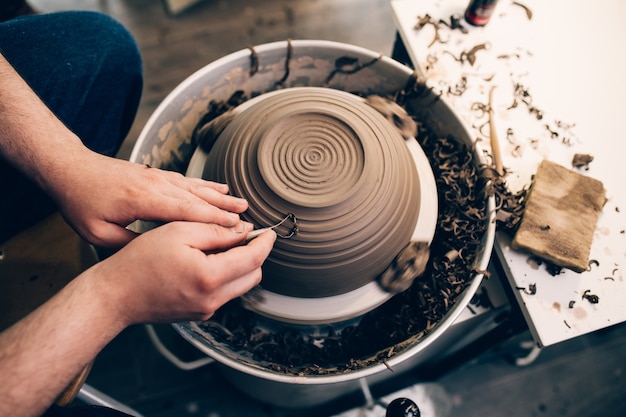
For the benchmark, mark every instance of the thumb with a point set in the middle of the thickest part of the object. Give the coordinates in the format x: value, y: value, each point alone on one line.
x: 111, y: 236
x: 208, y: 237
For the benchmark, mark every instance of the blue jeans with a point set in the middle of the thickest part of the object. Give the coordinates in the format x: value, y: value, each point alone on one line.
x: 87, y: 69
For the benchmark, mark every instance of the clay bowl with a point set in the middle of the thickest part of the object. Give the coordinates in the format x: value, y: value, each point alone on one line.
x: 339, y: 167
x: 360, y: 193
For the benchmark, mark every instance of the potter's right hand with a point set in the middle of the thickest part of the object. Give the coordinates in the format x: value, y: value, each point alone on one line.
x: 182, y: 271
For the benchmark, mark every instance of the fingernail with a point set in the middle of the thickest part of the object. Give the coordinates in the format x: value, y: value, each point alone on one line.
x: 234, y: 218
x: 240, y: 227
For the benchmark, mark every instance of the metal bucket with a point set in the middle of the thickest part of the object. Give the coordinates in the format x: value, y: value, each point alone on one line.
x: 165, y: 142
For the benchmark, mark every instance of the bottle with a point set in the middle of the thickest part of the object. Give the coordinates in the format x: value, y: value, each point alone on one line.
x: 402, y: 407
x: 479, y: 12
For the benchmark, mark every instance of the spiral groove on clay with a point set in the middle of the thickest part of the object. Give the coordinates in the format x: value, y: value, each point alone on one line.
x: 340, y: 167
x: 305, y: 158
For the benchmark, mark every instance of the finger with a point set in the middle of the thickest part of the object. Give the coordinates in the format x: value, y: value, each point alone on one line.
x: 241, y: 260
x: 216, y: 198
x: 110, y: 235
x: 166, y: 208
x: 190, y: 199
x: 217, y: 186
x: 212, y: 192
x: 197, y: 199
x: 233, y: 289
x: 208, y: 237
x: 174, y: 176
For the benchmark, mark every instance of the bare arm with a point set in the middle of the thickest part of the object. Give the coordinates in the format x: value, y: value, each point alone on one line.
x: 31, y: 135
x: 99, y: 196
x: 163, y: 275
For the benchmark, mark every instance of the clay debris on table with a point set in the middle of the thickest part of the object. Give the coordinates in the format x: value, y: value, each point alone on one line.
x: 560, y: 218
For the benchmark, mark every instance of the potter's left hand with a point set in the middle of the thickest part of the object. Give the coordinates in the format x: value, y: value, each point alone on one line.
x: 100, y: 196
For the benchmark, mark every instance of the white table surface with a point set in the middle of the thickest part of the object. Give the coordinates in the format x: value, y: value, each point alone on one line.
x: 571, y: 55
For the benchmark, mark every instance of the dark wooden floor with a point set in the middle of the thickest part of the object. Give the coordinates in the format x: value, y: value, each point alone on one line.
x: 585, y: 377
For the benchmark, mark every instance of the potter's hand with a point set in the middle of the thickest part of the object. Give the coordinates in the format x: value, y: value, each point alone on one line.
x: 163, y: 275
x: 100, y: 196
x: 167, y: 275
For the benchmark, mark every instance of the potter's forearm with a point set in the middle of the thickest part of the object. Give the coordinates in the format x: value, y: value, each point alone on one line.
x: 31, y: 136
x: 41, y: 354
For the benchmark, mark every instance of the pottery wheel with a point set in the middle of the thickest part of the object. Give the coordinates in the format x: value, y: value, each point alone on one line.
x: 351, y: 180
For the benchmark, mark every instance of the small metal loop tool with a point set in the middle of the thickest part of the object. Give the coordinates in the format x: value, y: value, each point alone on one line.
x: 292, y: 231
